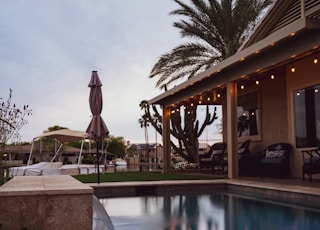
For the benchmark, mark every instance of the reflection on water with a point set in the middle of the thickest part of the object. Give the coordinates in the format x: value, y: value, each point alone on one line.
x: 210, y: 212
x: 135, y: 167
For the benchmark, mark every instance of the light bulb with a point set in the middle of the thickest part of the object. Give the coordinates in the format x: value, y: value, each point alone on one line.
x: 315, y: 60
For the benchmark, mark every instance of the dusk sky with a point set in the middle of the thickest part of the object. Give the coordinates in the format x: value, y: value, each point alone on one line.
x: 49, y: 48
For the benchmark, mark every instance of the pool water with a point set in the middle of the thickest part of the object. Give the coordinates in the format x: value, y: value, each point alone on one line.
x: 208, y: 212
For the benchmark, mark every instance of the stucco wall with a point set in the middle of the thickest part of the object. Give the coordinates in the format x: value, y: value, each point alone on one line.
x: 307, y: 74
x: 274, y: 113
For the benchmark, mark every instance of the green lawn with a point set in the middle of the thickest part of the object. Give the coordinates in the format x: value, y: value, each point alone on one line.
x: 141, y: 176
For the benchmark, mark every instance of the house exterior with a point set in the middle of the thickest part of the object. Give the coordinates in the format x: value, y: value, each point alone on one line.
x: 268, y: 89
x: 145, y: 153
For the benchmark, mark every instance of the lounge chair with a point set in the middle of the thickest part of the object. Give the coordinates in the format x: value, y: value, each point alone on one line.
x: 276, y: 160
x: 214, y: 158
x: 311, y: 162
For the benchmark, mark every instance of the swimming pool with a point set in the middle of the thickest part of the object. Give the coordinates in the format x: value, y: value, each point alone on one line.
x: 208, y: 211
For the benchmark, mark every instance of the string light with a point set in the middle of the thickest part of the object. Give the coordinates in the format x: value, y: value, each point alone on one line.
x: 242, y: 87
x: 257, y: 82
x: 200, y: 100
x: 272, y: 77
x: 293, y: 69
x: 315, y: 60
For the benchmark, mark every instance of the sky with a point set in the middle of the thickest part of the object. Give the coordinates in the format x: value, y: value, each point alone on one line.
x: 48, y: 50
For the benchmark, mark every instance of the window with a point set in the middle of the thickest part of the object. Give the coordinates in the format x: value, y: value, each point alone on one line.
x: 248, y: 116
x: 307, y: 116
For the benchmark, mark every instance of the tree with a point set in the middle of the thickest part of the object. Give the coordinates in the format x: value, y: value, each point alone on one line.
x: 12, y: 119
x: 116, y: 146
x: 186, y: 132
x: 218, y: 27
x: 54, y: 128
x: 144, y: 123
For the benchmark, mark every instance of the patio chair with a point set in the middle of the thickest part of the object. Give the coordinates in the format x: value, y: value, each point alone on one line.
x: 311, y: 163
x: 276, y: 160
x: 244, y: 148
x: 214, y: 158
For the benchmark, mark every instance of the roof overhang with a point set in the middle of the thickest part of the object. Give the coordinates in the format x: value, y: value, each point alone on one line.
x: 280, y: 47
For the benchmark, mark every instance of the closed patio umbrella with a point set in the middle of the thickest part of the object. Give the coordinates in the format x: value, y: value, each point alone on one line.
x: 97, y: 129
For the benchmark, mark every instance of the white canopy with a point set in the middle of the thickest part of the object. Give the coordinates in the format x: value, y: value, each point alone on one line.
x: 64, y: 135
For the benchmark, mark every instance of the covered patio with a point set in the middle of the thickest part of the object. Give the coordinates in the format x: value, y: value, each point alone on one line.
x: 262, y: 81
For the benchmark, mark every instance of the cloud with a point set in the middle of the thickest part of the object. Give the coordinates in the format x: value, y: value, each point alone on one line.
x: 49, y: 48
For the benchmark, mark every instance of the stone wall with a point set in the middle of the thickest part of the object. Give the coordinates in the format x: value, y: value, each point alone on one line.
x: 53, y: 202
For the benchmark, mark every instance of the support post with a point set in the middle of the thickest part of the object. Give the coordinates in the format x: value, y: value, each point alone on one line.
x: 232, y: 128
x: 166, y: 139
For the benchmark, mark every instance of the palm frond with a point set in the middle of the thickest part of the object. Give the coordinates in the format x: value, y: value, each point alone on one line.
x: 218, y: 26
x: 183, y: 62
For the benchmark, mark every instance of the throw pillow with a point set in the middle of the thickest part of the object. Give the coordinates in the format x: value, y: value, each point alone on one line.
x: 275, y: 154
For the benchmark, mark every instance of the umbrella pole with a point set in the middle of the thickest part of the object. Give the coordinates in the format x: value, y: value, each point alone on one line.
x: 98, y: 162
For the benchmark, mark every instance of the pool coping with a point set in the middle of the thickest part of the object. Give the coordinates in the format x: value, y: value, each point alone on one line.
x: 249, y: 183
x: 301, y: 194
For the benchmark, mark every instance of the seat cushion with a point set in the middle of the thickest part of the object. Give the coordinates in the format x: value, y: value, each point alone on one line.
x: 274, y: 160
x: 313, y: 160
x: 206, y: 159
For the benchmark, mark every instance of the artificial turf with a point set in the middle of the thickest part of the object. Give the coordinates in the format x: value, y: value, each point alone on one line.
x: 141, y: 176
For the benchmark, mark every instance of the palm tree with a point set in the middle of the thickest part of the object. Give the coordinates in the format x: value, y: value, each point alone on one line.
x: 218, y: 27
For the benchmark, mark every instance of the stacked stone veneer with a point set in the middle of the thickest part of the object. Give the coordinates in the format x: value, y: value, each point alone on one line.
x: 52, y: 202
